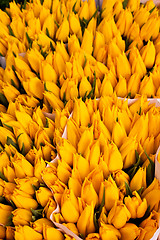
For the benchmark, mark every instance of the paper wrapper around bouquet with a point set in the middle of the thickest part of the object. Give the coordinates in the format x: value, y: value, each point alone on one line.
x: 64, y: 229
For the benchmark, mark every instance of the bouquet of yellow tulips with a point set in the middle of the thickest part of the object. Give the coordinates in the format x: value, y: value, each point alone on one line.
x: 80, y: 120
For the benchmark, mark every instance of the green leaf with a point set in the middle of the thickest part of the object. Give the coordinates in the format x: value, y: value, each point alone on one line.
x: 23, y: 150
x: 13, y: 84
x: 125, y: 2
x: 128, y: 190
x: 35, y: 187
x: 10, y: 127
x: 140, y: 190
x: 84, y: 23
x: 2, y: 199
x: 91, y: 93
x: 150, y: 160
x: 51, y: 46
x: 10, y: 31
x: 73, y: 8
x: 64, y: 98
x: 102, y: 203
x: 13, y: 204
x: 10, y: 141
x: 42, y: 2
x: 37, y: 213
x: 47, y: 32
x: 14, y: 54
x: 3, y: 100
x: 56, y: 23
x: 3, y: 177
x: 152, y: 9
x: 19, y: 136
x: 29, y: 40
x: 149, y: 174
x: 24, y: 4
x: 85, y: 61
x: 85, y: 96
x: 1, y: 55
x: 47, y: 123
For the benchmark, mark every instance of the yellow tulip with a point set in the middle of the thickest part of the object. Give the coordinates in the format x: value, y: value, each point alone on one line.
x: 51, y: 233
x: 118, y: 134
x: 69, y: 89
x: 106, y: 87
x: 5, y: 212
x: 99, y: 42
x: 63, y: 171
x: 150, y: 225
x: 87, y: 41
x: 34, y: 58
x: 2, y: 232
x: 73, y: 44
x: 58, y: 63
x: 50, y: 207
x: 18, y: 27
x: 47, y: 72
x: 63, y: 31
x: 84, y: 87
x: 150, y: 29
x: 74, y: 25
x: 73, y: 133
x: 88, y: 193
x: 109, y: 232
x: 108, y: 28
x: 133, y: 89
x: 123, y: 67
x: 141, y: 16
x: 148, y: 54
x: 26, y: 232
x: 21, y: 217
x: 134, y: 31
x: 49, y: 175
x: 75, y: 182
x: 31, y: 88
x: 127, y: 151
x: 26, y: 184
x: 69, y: 206
x: 124, y: 21
x: 85, y: 140
x: 61, y: 48
x: 109, y: 186
x: 120, y: 178
x: 4, y: 160
x: 66, y: 151
x: 139, y: 180
x: 42, y: 195
x: 85, y: 222
x: 93, y: 236
x: 133, y: 6
x: 4, y: 134
x: 9, y: 173
x: 4, y: 18
x: 118, y: 215
x: 84, y: 11
x: 147, y: 87
x: 9, y: 76
x: 130, y: 231
x: 23, y: 200
x: 41, y: 223
x: 80, y: 113
x: 10, y: 92
x: 136, y: 205
x: 49, y: 26
x: 82, y: 165
x: 112, y: 157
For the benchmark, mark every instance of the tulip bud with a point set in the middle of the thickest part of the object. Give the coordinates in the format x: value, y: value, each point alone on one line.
x: 4, y: 160
x: 47, y: 70
x: 49, y: 175
x: 130, y: 231
x: 84, y: 87
x: 85, y: 222
x: 63, y: 31
x: 49, y: 26
x: 34, y: 58
x: 133, y: 88
x: 39, y: 224
x: 73, y: 128
x: 99, y: 42
x: 26, y: 232
x: 108, y: 231
x: 21, y: 217
x: 2, y: 232
x: 106, y: 87
x: 139, y: 180
x: 124, y: 71
x: 49, y: 207
x: 74, y: 25
x: 23, y: 200
x: 69, y: 206
x: 148, y: 54
x: 9, y: 173
x: 136, y: 205
x: 147, y: 87
x: 150, y: 29
x: 73, y: 44
x: 127, y: 151
x: 118, y: 215
x: 87, y: 41
x: 26, y: 184
x: 42, y: 195
x: 10, y: 92
x: 118, y: 134
x: 82, y: 165
x: 51, y: 233
x: 5, y: 212
x: 111, y: 193
x: 120, y: 178
x: 63, y: 171
x: 69, y: 89
x: 141, y: 16
x: 84, y: 11
x: 124, y: 21
x: 88, y: 193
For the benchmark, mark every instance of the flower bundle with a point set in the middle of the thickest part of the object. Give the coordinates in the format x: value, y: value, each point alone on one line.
x: 73, y: 166
x: 84, y: 50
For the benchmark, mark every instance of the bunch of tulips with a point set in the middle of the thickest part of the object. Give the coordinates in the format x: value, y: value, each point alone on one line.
x: 78, y: 133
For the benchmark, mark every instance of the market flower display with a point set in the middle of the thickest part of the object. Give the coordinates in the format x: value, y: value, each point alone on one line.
x: 78, y: 157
